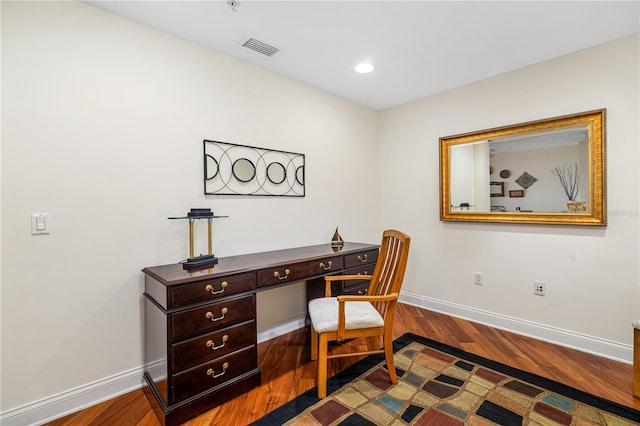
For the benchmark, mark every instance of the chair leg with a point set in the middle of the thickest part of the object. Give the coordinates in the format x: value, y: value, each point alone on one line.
x: 636, y: 362
x: 314, y: 344
x: 322, y: 366
x: 388, y: 356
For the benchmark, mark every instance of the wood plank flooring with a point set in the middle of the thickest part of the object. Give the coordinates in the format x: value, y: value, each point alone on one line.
x: 288, y: 372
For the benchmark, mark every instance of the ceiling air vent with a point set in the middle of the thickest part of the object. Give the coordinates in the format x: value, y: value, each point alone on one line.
x: 260, y: 47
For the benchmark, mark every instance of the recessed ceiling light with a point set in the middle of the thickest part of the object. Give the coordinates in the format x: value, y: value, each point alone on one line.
x: 364, y: 68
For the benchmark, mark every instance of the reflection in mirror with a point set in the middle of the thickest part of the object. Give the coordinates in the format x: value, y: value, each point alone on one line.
x: 538, y: 156
x: 547, y: 171
x: 496, y: 190
x: 244, y: 170
x: 276, y: 173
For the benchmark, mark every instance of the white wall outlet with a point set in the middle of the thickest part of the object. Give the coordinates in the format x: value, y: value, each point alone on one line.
x: 477, y: 278
x: 40, y: 223
x: 538, y: 288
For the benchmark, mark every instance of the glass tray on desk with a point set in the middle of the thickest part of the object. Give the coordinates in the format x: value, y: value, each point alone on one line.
x: 198, y: 217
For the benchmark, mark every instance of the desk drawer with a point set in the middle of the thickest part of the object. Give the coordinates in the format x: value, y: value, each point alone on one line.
x: 362, y: 258
x: 347, y: 285
x: 359, y: 289
x: 210, y: 290
x: 298, y: 271
x: 214, y: 316
x: 209, y: 346
x: 212, y: 374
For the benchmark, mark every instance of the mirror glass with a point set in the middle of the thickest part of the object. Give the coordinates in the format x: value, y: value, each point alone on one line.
x: 546, y: 171
x: 244, y: 170
x: 300, y: 175
x: 276, y: 173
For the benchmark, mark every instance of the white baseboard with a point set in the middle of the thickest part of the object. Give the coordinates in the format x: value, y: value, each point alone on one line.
x: 64, y: 403
x: 278, y: 329
x: 582, y: 342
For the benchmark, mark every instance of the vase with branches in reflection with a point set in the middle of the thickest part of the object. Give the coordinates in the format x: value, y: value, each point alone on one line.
x: 570, y: 182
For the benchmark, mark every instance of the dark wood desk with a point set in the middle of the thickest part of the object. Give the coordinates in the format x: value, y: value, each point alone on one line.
x: 200, y: 326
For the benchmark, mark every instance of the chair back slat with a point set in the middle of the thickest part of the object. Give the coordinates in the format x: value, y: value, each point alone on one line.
x: 389, y: 271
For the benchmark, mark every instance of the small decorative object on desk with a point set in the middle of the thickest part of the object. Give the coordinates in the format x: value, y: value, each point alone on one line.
x: 204, y: 260
x: 336, y: 240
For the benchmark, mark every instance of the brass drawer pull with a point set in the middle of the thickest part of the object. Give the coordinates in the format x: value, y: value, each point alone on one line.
x: 286, y: 274
x: 213, y: 374
x: 326, y: 268
x: 214, y: 319
x: 213, y: 346
x: 363, y: 293
x: 362, y: 259
x: 210, y: 289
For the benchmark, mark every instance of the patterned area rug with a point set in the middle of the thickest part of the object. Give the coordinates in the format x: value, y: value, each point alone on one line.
x: 441, y: 385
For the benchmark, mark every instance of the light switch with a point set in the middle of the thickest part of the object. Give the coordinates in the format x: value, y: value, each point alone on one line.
x: 40, y: 223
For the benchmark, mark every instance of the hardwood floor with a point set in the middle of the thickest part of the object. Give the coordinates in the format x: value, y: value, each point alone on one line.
x: 288, y: 372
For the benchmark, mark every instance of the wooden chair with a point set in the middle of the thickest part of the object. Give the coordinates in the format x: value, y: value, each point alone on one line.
x: 371, y: 315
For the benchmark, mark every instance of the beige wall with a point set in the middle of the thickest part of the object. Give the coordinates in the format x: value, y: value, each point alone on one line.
x: 102, y: 126
x: 591, y: 274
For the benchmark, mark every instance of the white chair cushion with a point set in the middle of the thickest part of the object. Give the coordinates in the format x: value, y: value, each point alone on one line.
x: 324, y: 315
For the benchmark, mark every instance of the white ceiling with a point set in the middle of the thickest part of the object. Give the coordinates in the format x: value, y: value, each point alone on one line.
x: 419, y: 48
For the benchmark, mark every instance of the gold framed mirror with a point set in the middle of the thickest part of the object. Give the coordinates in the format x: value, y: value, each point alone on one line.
x: 550, y: 171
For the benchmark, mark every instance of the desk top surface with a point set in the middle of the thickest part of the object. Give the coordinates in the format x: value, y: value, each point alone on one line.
x: 174, y: 273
